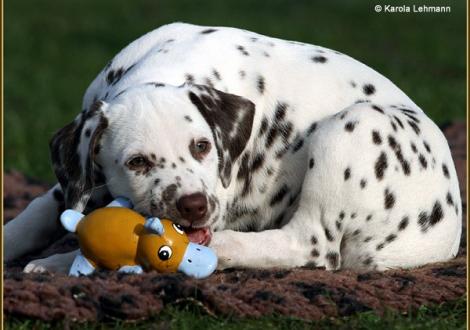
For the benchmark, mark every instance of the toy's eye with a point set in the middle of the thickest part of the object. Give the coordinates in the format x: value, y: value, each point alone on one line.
x: 178, y: 228
x: 164, y: 253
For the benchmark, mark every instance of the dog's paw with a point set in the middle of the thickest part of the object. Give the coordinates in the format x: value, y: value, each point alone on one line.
x: 35, y: 267
x: 225, y: 249
x: 58, y: 263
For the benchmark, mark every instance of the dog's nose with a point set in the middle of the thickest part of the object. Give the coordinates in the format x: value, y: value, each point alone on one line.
x: 192, y: 207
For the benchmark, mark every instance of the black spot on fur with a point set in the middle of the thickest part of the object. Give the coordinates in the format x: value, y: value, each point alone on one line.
x: 399, y: 121
x: 312, y: 128
x: 445, y: 170
x: 341, y: 215
x: 377, y: 108
x: 369, y: 217
x: 423, y: 161
x: 243, y: 50
x: 368, y: 261
x: 114, y: 76
x: 261, y: 84
x: 390, y: 238
x: 380, y: 166
x: 363, y: 183
x: 315, y: 253
x: 397, y: 149
x: 347, y: 174
x: 368, y: 89
x: 319, y: 59
x: 414, y: 126
x: 413, y: 118
x: 426, y: 146
x: 328, y: 235
x: 389, y: 199
x: 403, y: 223
x: 242, y: 74
x: 338, y: 225
x: 188, y: 118
x: 394, y: 127
x: 207, y: 31
x: 380, y: 246
x: 258, y: 161
x: 413, y: 147
x: 189, y: 78
x: 423, y: 220
x: 298, y: 145
x: 314, y: 240
x: 436, y: 214
x: 333, y: 259
x: 376, y: 138
x: 449, y: 199
x: 263, y: 127
x: 349, y: 127
x: 216, y: 74
x: 311, y: 163
x: 88, y: 133
x: 279, y: 196
x: 280, y: 113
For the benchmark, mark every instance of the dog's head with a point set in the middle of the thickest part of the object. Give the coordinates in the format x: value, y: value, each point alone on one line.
x: 166, y: 148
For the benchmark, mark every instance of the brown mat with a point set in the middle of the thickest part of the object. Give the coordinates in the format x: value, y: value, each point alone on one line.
x: 302, y: 292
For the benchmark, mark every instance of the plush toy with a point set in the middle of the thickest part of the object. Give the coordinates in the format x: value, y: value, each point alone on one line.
x: 118, y: 238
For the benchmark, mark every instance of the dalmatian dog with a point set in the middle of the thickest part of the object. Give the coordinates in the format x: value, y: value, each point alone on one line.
x: 274, y: 153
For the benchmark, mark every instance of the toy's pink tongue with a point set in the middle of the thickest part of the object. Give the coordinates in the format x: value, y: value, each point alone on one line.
x: 199, y: 235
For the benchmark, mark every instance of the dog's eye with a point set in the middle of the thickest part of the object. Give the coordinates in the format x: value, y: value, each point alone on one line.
x: 178, y: 228
x: 164, y: 253
x: 199, y: 148
x: 137, y: 161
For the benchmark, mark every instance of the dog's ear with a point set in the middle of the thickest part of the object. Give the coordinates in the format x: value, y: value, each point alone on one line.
x: 73, y: 150
x: 230, y: 118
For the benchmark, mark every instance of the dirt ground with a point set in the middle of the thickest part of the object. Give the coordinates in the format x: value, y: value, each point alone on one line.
x: 301, y: 292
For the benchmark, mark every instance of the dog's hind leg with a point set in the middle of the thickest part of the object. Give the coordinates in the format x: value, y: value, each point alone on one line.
x: 36, y: 226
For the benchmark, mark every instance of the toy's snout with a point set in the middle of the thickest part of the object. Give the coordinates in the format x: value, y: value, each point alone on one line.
x: 198, y: 261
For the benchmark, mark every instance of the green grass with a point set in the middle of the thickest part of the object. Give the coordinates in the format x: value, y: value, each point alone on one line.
x: 53, y: 50
x: 451, y: 315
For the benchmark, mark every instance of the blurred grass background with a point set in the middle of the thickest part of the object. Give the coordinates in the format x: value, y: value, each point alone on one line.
x: 54, y: 49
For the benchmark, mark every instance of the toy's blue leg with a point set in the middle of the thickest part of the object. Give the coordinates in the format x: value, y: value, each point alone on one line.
x: 81, y: 266
x: 131, y: 269
x: 121, y: 202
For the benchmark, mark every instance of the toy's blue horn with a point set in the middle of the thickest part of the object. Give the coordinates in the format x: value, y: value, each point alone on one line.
x: 154, y: 224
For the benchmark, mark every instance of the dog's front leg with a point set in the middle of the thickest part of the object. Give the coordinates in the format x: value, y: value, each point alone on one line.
x: 33, y: 228
x: 270, y: 248
x: 303, y: 241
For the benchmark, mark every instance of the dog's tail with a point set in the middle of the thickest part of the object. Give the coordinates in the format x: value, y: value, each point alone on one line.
x: 70, y: 219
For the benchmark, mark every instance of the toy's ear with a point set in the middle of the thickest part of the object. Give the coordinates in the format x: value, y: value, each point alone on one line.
x: 154, y: 225
x: 73, y: 150
x: 230, y: 118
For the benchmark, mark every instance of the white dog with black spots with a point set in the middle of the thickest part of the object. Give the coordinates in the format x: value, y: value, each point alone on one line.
x: 275, y: 153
